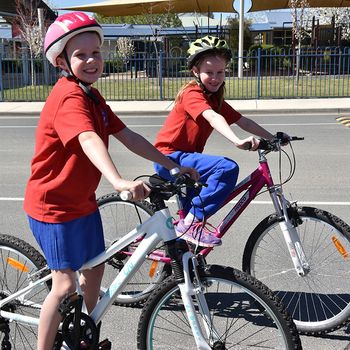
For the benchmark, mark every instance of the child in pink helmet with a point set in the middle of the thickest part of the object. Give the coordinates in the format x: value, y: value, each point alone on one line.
x: 71, y: 154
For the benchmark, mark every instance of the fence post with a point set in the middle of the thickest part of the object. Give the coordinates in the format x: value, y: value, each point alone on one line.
x: 1, y: 81
x: 258, y: 74
x: 25, y: 70
x: 160, y: 74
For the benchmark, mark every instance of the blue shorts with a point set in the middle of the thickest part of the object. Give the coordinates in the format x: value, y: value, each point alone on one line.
x: 69, y: 245
x: 219, y: 173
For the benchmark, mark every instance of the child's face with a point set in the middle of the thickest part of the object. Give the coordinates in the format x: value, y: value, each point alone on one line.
x: 211, y: 72
x: 84, y: 54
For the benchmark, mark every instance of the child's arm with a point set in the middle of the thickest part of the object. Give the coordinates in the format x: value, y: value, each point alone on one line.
x: 97, y: 152
x: 219, y: 123
x: 140, y: 146
x: 254, y: 128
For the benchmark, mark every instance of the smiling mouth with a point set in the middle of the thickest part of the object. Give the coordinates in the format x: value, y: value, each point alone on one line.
x: 90, y: 70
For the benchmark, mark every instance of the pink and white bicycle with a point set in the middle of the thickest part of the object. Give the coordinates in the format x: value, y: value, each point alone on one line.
x: 301, y: 253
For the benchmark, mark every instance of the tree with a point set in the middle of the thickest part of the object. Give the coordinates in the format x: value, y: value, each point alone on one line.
x: 125, y: 49
x: 300, y: 22
x: 27, y: 22
x: 166, y: 20
x: 233, y: 25
x: 300, y: 19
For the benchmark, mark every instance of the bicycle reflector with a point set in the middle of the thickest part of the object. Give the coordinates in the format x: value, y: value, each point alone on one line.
x: 17, y: 265
x: 153, y: 268
x: 340, y: 248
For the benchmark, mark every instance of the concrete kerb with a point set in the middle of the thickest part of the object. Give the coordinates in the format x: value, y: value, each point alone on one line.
x: 162, y: 108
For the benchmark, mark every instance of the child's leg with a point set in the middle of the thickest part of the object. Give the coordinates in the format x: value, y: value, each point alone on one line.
x: 63, y: 283
x: 90, y: 282
x: 219, y: 173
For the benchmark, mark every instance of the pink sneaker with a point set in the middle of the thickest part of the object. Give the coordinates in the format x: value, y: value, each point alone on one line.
x: 197, y: 233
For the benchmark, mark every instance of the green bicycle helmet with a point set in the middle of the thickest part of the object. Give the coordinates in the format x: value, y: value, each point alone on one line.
x: 204, y: 45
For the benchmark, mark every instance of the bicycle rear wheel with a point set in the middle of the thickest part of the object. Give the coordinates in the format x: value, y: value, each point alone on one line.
x: 118, y: 218
x: 20, y: 265
x: 319, y: 301
x: 244, y: 313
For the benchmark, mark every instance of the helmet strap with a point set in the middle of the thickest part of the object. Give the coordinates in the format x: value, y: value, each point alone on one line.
x: 201, y: 85
x: 82, y: 84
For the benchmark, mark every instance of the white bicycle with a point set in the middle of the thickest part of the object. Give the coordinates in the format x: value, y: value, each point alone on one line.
x: 199, y: 306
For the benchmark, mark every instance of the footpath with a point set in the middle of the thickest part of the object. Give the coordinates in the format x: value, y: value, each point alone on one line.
x: 125, y: 108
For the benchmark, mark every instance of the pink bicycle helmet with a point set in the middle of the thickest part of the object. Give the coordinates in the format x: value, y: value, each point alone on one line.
x: 64, y: 28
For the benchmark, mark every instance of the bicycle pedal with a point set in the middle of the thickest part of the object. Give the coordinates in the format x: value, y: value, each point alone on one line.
x: 105, y: 345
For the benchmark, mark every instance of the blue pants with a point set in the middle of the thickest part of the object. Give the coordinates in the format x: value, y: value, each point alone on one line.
x: 219, y: 173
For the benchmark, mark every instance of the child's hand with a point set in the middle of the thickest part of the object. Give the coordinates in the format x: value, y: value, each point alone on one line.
x: 190, y: 171
x: 138, y: 189
x: 250, y: 143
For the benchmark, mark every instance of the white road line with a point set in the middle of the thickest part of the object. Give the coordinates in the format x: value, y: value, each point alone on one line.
x: 17, y: 126
x: 20, y: 199
x: 11, y: 199
x: 160, y: 125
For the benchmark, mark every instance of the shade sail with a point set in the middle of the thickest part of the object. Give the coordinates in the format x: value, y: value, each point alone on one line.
x: 262, y: 5
x: 132, y: 7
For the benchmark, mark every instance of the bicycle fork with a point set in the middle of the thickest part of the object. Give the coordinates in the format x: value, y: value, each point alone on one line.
x: 286, y: 211
x: 192, y: 290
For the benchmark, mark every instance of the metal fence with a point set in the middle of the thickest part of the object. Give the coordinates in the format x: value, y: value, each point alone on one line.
x: 267, y: 74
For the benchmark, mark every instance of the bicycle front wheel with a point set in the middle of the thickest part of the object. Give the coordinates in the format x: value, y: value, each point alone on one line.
x: 319, y: 301
x: 118, y: 218
x: 20, y: 265
x: 244, y: 313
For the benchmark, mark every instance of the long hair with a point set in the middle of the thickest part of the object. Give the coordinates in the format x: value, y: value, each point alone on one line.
x: 220, y: 94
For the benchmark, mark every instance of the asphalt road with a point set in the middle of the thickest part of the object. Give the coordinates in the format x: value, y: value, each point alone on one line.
x: 321, y: 180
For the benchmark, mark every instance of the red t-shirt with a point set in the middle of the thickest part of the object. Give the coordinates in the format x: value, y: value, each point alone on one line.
x: 63, y: 180
x: 185, y: 129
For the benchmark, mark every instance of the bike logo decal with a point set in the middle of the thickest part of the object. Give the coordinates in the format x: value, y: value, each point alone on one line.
x: 169, y: 223
x: 128, y: 267
x: 193, y: 321
x: 236, y: 208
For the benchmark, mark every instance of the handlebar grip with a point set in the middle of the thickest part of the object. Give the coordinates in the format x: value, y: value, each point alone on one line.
x: 185, y: 179
x: 125, y: 195
x: 264, y: 145
x: 296, y: 138
x: 247, y: 146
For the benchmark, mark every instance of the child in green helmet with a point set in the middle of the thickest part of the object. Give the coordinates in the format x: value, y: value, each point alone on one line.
x: 199, y: 109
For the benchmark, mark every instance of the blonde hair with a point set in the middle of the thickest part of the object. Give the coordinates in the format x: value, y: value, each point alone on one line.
x: 220, y: 93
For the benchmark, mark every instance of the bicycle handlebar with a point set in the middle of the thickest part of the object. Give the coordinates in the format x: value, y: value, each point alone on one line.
x: 162, y: 189
x: 279, y: 139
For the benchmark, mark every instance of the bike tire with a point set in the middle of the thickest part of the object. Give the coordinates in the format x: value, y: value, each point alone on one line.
x: 245, y: 313
x: 19, y: 266
x: 320, y: 301
x: 118, y: 218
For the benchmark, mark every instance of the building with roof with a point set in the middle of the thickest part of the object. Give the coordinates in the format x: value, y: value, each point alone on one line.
x: 272, y: 28
x: 275, y: 28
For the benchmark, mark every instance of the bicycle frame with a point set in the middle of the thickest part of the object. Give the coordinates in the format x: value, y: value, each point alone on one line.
x: 252, y: 185
x: 157, y: 228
